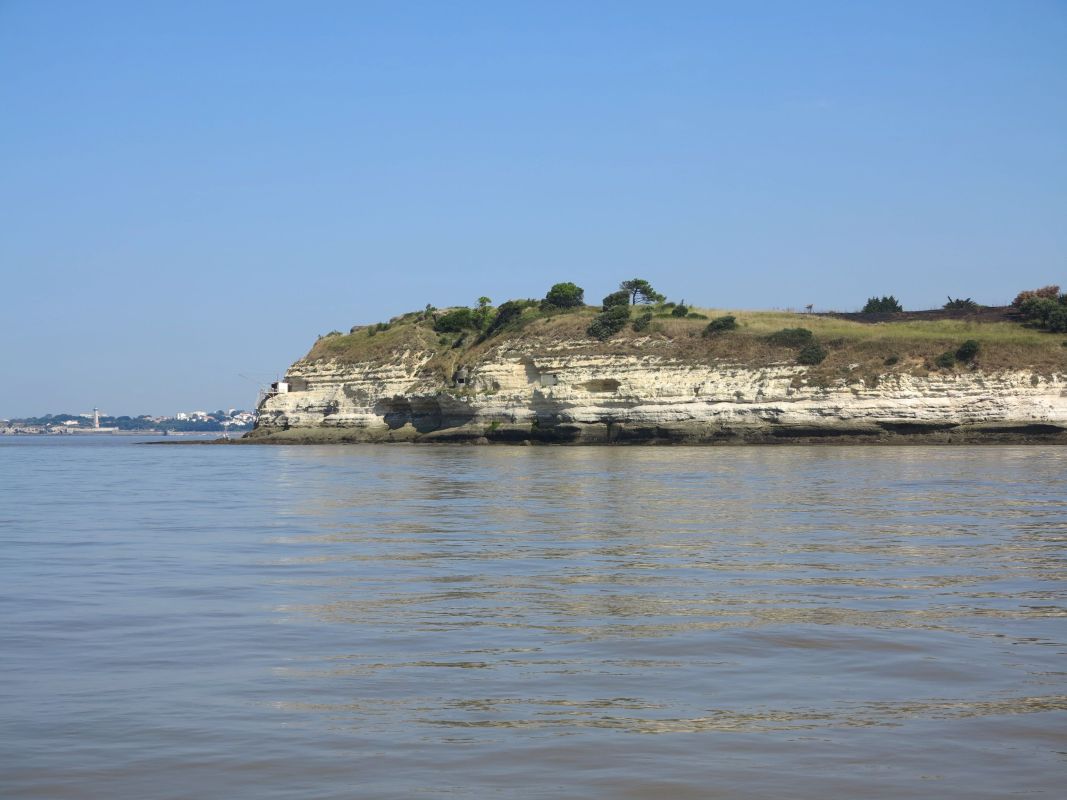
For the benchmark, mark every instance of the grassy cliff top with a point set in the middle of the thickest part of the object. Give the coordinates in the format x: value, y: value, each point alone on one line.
x: 916, y: 343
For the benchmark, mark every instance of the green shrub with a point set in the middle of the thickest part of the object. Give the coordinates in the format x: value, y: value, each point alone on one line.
x: 957, y: 304
x: 507, y: 313
x: 720, y: 325
x: 696, y: 315
x: 1056, y: 321
x: 791, y: 337
x: 811, y: 354
x: 1037, y: 308
x: 680, y: 310
x: 968, y: 350
x: 619, y: 298
x: 946, y: 360
x: 881, y: 305
x: 564, y: 295
x: 891, y: 360
x: 643, y: 322
x: 455, y: 321
x: 609, y: 322
x: 1046, y: 312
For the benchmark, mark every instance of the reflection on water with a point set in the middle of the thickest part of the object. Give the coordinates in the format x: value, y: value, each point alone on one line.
x: 523, y: 622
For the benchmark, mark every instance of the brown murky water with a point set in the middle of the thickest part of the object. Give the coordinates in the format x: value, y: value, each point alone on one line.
x: 406, y: 622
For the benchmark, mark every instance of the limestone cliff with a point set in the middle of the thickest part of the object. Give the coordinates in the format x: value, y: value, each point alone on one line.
x: 528, y: 389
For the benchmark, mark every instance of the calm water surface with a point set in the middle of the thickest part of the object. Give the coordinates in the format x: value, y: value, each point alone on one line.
x: 467, y: 622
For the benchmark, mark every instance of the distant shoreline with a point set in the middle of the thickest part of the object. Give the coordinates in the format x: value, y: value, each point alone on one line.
x: 98, y: 433
x: 964, y: 439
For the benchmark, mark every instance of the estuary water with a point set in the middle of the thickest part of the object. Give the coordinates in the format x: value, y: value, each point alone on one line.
x: 526, y: 622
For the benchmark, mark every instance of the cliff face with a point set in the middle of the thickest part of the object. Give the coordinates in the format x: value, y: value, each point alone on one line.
x: 519, y: 392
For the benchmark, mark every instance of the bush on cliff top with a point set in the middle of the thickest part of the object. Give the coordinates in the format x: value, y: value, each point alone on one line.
x: 609, y: 322
x: 882, y: 305
x: 1046, y: 312
x: 811, y: 354
x: 508, y: 313
x: 643, y: 322
x: 968, y: 350
x: 946, y: 360
x: 454, y: 321
x: 791, y: 337
x: 564, y: 295
x: 721, y: 325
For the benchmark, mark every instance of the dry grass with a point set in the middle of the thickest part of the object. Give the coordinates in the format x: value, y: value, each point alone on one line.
x: 916, y: 343
x: 856, y: 349
x: 906, y: 331
x: 363, y: 345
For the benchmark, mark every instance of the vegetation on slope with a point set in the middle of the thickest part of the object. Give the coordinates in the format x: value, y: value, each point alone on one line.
x: 833, y: 346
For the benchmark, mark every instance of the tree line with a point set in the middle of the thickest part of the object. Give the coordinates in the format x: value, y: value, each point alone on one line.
x: 1045, y: 308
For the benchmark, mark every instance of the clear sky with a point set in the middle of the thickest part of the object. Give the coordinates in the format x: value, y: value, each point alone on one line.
x: 193, y: 191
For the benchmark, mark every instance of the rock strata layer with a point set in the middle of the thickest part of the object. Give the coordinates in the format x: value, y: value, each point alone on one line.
x: 518, y: 394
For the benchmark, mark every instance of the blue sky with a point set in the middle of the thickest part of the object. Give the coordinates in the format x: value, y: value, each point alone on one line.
x: 194, y: 191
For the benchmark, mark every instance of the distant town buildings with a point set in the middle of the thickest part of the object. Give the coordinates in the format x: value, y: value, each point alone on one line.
x: 98, y: 422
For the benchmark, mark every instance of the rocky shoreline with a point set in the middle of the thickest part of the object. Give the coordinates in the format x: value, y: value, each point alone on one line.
x: 521, y: 393
x: 567, y: 435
